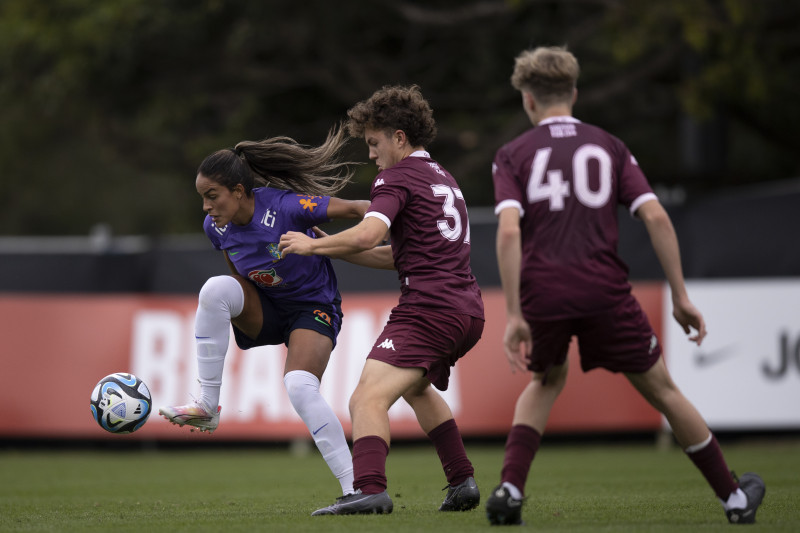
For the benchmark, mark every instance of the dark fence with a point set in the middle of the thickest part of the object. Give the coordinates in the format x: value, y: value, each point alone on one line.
x: 745, y: 233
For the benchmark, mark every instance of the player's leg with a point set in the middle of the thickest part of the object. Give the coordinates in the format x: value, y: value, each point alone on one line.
x: 436, y: 420
x: 531, y: 413
x: 660, y: 391
x: 379, y: 387
x: 429, y: 407
x: 739, y: 499
x: 306, y: 360
x: 549, y: 365
x: 532, y: 410
x: 221, y: 300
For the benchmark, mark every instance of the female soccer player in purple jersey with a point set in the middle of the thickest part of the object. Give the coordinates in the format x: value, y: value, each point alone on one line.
x: 440, y: 313
x: 252, y: 194
x: 557, y: 188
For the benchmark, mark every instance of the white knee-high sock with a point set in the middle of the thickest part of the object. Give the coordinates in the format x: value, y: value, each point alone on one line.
x: 220, y: 299
x: 325, y: 428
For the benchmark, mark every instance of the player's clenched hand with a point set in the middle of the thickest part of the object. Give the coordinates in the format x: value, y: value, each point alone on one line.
x: 294, y: 242
x: 517, y: 343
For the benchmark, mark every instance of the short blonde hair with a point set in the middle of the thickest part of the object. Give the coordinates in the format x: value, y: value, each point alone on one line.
x: 550, y: 73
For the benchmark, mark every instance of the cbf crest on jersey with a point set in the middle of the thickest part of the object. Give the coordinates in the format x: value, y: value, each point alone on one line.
x: 272, y: 249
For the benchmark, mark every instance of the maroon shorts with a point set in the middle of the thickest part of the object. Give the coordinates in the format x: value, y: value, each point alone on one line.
x: 620, y: 340
x: 424, y: 338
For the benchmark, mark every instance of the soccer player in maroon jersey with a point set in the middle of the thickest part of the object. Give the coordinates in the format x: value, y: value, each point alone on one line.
x: 557, y: 188
x: 439, y: 316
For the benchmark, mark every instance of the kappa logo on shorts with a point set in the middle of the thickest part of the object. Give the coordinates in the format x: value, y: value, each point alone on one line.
x: 387, y: 344
x: 653, y: 343
x: 321, y: 316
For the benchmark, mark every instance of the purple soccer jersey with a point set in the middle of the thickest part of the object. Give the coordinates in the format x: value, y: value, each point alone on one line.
x: 253, y: 248
x: 567, y: 179
x: 427, y: 215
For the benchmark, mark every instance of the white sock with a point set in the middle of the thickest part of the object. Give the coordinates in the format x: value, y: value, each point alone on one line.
x: 325, y: 428
x: 737, y: 500
x: 220, y: 299
x: 513, y: 490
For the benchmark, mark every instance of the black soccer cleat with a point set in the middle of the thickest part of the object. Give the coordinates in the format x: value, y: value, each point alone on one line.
x: 358, y: 503
x: 502, y: 509
x: 461, y: 497
x: 753, y: 486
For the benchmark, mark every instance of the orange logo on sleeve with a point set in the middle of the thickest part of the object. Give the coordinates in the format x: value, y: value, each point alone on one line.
x: 308, y: 203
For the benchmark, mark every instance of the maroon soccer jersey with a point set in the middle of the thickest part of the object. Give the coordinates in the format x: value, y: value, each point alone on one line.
x: 567, y: 179
x: 427, y: 215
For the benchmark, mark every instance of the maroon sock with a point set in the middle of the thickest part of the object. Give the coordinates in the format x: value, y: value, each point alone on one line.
x: 447, y: 440
x: 369, y: 464
x: 521, y: 445
x: 712, y: 464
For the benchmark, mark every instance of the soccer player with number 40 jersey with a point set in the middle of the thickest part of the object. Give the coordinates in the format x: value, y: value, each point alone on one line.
x: 557, y: 190
x: 440, y: 313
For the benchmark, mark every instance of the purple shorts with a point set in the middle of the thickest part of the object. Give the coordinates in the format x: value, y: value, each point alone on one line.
x: 619, y: 340
x: 431, y: 340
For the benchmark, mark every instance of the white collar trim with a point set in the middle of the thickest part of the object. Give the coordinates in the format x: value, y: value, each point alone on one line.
x: 562, y: 118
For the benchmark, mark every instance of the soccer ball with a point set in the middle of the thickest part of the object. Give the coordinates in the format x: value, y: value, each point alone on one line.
x: 121, y: 403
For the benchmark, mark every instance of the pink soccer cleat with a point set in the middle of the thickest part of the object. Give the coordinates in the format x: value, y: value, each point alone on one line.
x: 194, y: 414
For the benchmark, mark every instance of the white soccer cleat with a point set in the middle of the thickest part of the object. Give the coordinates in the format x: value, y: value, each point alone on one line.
x: 194, y: 414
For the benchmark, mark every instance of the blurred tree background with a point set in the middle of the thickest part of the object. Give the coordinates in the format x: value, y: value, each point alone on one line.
x: 108, y: 106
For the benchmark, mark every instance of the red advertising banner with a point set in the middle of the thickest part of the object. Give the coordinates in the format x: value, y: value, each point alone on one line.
x: 56, y: 348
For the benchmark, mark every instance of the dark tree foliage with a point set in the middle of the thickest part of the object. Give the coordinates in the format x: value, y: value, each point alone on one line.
x: 110, y: 105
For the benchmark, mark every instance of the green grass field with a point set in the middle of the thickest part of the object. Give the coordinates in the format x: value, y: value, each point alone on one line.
x: 572, y: 487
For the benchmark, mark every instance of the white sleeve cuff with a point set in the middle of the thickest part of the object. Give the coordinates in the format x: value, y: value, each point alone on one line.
x: 505, y: 204
x: 646, y: 197
x: 379, y: 216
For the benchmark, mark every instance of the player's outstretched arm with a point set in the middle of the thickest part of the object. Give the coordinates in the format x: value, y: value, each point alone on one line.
x: 364, y: 236
x: 339, y: 208
x: 665, y: 243
x: 379, y: 257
